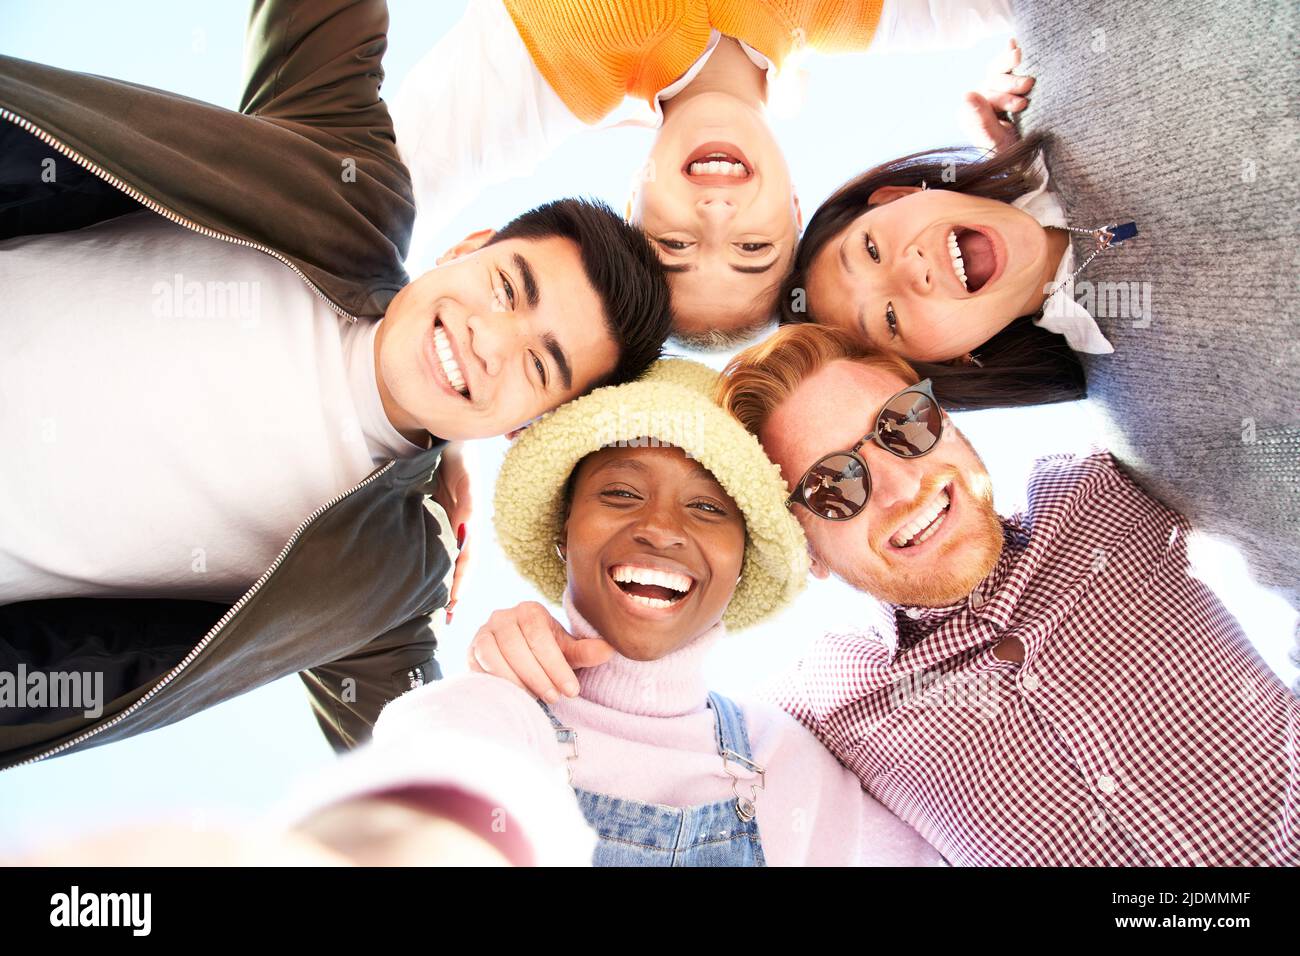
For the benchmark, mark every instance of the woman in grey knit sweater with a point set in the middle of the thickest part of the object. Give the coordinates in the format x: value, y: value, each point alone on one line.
x: 1178, y: 120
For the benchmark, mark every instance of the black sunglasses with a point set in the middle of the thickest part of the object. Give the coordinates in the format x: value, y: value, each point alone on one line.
x: 838, y: 485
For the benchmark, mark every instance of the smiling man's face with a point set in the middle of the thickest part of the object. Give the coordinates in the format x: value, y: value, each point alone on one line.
x: 928, y: 534
x: 489, y: 341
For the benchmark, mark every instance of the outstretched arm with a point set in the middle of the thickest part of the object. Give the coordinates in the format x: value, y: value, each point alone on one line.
x: 911, y: 25
x: 473, y: 112
x: 348, y: 694
x: 309, y: 60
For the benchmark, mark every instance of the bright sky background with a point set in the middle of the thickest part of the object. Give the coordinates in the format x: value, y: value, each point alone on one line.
x: 239, y: 758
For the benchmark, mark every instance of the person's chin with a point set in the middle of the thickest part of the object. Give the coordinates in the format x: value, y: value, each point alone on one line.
x: 940, y: 582
x: 638, y: 637
x: 960, y: 571
x: 434, y: 419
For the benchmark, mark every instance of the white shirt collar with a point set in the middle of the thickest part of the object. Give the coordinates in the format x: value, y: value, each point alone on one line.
x: 635, y: 113
x: 1061, y: 313
x: 383, y: 441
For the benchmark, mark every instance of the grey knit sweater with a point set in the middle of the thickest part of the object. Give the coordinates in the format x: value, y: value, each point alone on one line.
x: 1182, y: 116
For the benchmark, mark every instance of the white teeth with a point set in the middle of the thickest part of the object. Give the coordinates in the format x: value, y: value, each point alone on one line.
x: 958, y: 264
x: 921, y: 523
x: 627, y: 573
x: 650, y: 602
x: 448, y: 359
x: 716, y: 167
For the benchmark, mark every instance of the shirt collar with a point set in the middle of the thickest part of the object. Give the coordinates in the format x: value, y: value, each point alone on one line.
x: 1061, y: 313
x: 383, y: 440
x: 635, y: 112
x: 988, y: 600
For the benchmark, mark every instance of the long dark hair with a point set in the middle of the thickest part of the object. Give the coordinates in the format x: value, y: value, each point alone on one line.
x: 1023, y: 364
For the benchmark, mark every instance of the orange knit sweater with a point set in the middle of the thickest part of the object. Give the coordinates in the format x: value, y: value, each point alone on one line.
x: 595, y: 52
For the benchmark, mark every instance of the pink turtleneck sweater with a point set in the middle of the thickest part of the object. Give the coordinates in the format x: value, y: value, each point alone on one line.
x: 646, y: 733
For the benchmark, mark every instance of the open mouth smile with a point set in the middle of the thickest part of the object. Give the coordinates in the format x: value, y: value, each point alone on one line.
x: 445, y: 360
x: 653, y: 588
x: 925, y: 523
x: 717, y: 164
x: 974, y: 257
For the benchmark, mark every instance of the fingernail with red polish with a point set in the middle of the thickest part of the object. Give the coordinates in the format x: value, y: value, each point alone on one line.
x: 460, y: 535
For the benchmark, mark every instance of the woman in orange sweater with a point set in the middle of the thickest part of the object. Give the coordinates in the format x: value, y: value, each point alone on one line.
x: 515, y: 77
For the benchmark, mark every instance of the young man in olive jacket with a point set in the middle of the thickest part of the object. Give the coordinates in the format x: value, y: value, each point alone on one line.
x: 225, y: 403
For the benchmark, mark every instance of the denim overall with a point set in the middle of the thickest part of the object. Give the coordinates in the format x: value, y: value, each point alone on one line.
x: 646, y: 834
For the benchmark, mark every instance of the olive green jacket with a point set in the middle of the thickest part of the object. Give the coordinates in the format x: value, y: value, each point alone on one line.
x: 306, y: 171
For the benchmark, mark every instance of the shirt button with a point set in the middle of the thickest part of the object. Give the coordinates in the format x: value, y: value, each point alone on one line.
x: 1029, y: 682
x: 976, y: 600
x: 1106, y: 784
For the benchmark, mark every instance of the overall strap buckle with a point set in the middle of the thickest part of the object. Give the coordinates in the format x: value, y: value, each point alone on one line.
x: 745, y: 806
x: 729, y: 724
x: 565, y: 736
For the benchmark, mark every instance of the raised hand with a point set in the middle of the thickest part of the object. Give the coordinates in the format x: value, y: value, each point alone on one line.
x: 1003, y: 91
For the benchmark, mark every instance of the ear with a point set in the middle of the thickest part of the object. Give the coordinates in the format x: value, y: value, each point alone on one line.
x: 889, y: 193
x: 471, y: 243
x: 816, y: 567
x: 516, y: 432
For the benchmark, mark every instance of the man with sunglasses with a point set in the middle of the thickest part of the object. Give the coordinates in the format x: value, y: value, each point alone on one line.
x: 1051, y: 689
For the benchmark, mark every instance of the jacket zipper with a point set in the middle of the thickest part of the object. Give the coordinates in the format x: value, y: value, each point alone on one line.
x: 161, y: 210
x: 180, y: 220
x: 216, y: 628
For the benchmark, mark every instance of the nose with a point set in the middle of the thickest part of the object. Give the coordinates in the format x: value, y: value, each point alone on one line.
x: 657, y: 528
x: 491, y: 337
x: 717, y: 213
x: 914, y: 270
x: 894, y: 480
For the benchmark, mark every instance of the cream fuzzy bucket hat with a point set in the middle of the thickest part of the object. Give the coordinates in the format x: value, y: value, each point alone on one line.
x: 673, y: 404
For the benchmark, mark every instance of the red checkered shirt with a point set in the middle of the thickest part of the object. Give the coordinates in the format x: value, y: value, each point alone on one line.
x: 1141, y: 729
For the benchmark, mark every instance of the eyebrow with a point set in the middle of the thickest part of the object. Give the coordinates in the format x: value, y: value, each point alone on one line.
x: 862, y: 312
x: 534, y: 296
x: 561, y: 360
x: 702, y: 472
x: 619, y: 463
x: 748, y: 270
x: 531, y: 292
x: 698, y: 472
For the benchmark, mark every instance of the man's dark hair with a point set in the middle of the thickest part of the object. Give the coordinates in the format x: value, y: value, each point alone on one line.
x: 622, y: 268
x: 1023, y: 364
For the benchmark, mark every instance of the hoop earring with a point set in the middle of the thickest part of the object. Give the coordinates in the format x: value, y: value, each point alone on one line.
x: 559, y: 550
